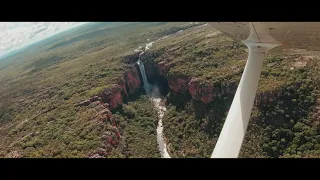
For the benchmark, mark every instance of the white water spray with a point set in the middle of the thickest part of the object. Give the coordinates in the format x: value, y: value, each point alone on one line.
x: 146, y: 85
x: 153, y: 92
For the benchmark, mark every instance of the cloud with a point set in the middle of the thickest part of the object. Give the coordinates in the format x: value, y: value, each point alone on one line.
x: 15, y: 35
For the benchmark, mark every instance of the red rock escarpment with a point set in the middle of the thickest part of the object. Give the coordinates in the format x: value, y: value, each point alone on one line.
x: 149, y: 64
x: 205, y: 93
x: 201, y: 93
x: 113, y: 96
x: 132, y: 79
x: 131, y: 58
x: 127, y: 84
x: 111, y: 136
x: 178, y: 84
x: 163, y: 67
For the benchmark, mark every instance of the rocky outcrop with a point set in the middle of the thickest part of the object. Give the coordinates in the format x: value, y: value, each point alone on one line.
x: 84, y: 103
x: 163, y: 68
x: 111, y: 136
x: 89, y: 101
x: 109, y: 99
x: 132, y: 79
x: 150, y: 65
x: 182, y: 85
x: 178, y: 84
x: 113, y: 96
x: 122, y: 83
x: 151, y: 70
x: 107, y: 115
x: 203, y: 93
x: 95, y: 98
x: 132, y: 58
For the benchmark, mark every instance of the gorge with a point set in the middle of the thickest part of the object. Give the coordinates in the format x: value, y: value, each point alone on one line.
x: 149, y: 70
x: 103, y: 98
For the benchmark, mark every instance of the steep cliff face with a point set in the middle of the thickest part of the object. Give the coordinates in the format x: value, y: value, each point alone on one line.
x: 111, y: 136
x: 178, y: 84
x: 201, y: 93
x: 123, y: 84
x: 112, y: 96
x: 110, y: 99
x: 128, y: 84
x: 151, y: 70
x: 182, y: 86
x: 164, y: 67
x: 150, y: 65
x: 131, y: 58
x: 132, y: 79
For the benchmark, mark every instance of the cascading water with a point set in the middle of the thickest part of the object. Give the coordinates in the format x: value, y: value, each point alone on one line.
x: 146, y: 85
x: 154, y: 94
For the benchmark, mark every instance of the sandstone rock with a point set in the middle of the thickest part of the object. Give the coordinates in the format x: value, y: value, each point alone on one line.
x: 161, y: 68
x: 204, y: 94
x: 150, y: 68
x: 106, y: 114
x: 113, y: 96
x: 104, y: 111
x: 132, y: 79
x: 95, y: 98
x: 122, y: 84
x: 84, y: 103
x: 132, y: 58
x: 178, y: 84
x: 174, y: 49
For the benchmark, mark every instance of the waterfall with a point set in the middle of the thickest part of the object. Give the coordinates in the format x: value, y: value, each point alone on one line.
x: 155, y: 97
x: 146, y: 85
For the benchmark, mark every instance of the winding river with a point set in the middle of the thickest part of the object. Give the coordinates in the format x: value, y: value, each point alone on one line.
x: 155, y: 97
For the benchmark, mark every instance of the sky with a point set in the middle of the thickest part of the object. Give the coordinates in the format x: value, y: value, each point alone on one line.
x: 15, y: 35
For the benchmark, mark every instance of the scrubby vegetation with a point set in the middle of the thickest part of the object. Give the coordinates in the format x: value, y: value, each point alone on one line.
x: 139, y: 121
x: 204, y: 53
x: 287, y: 126
x: 40, y: 87
x: 283, y: 122
x: 193, y: 131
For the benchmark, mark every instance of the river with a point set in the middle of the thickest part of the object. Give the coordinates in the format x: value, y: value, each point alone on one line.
x: 153, y: 93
